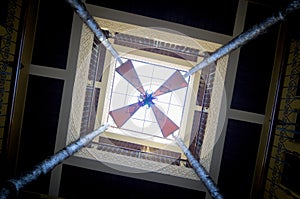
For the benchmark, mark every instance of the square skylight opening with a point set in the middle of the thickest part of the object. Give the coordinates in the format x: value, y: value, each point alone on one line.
x: 143, y: 122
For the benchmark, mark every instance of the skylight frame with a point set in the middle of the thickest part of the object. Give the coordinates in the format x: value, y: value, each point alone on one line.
x: 205, y: 43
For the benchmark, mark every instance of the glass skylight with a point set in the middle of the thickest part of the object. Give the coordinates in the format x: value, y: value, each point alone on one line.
x: 147, y: 100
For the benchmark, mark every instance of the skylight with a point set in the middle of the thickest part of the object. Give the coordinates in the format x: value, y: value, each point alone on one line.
x: 147, y: 100
x: 152, y: 84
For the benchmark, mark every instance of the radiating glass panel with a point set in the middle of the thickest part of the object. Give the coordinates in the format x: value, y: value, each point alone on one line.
x: 121, y: 115
x: 166, y: 125
x: 127, y: 71
x: 176, y: 81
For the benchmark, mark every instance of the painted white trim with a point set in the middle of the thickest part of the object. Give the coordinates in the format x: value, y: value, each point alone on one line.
x: 240, y: 17
x: 234, y: 56
x: 45, y: 71
x: 55, y: 181
x: 229, y: 86
x: 69, y: 77
x: 246, y: 116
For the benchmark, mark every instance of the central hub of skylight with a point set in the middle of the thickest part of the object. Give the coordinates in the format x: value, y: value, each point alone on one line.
x: 147, y: 99
x: 163, y: 100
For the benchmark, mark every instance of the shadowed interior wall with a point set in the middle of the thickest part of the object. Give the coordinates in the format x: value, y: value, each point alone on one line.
x: 238, y: 160
x: 40, y: 125
x: 255, y: 65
